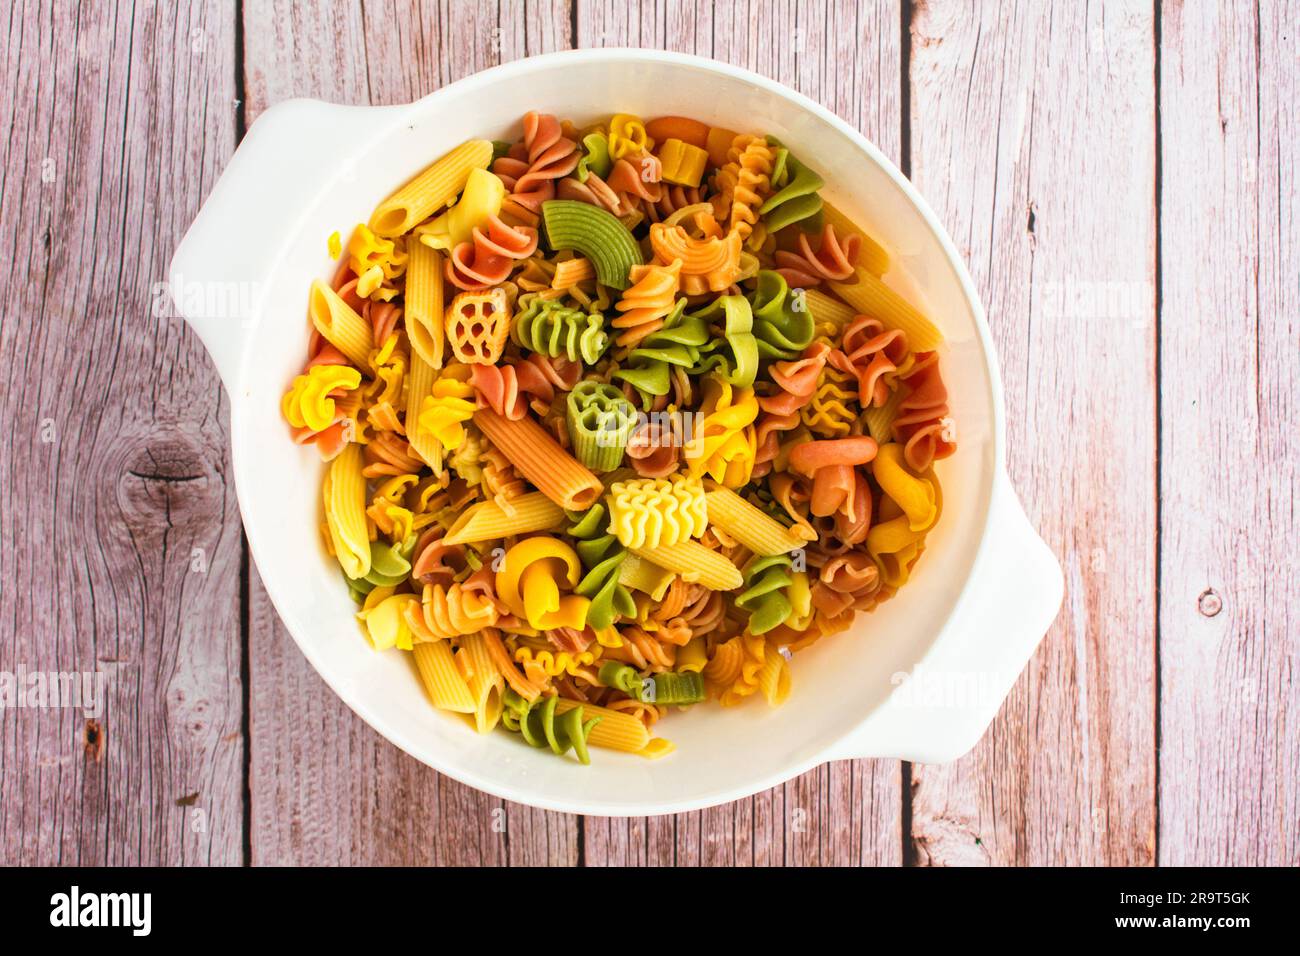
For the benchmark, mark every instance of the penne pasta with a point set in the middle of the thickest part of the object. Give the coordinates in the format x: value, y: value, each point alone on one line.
x: 425, y: 305
x: 442, y: 679
x: 487, y: 520
x: 539, y: 458
x: 484, y: 681
x: 753, y: 528
x: 431, y: 190
x: 345, y: 512
x: 695, y: 563
x: 870, y: 296
x: 616, y: 730
x: 880, y: 418
x: 419, y: 386
x: 339, y: 323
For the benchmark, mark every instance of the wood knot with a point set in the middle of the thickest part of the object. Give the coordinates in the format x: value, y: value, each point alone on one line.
x: 167, y: 473
x: 1209, y: 603
x: 94, y: 739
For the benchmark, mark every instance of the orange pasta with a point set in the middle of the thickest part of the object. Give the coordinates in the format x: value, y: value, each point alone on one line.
x: 554, y: 472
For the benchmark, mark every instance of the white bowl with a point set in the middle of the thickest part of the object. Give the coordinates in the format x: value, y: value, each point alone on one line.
x: 920, y: 679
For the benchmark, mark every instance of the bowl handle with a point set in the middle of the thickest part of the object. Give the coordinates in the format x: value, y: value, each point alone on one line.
x: 938, y: 711
x: 219, y: 274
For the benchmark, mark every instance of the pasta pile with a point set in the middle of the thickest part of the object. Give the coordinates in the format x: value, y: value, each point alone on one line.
x: 616, y: 419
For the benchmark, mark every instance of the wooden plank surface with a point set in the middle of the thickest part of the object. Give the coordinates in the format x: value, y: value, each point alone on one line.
x: 1121, y: 180
x: 847, y: 813
x: 1230, y: 368
x: 123, y: 553
x: 1033, y: 136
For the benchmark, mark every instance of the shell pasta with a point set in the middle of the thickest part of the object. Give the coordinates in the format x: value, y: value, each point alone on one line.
x: 615, y: 420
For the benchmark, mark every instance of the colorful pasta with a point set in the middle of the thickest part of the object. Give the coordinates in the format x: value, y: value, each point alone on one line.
x: 615, y: 420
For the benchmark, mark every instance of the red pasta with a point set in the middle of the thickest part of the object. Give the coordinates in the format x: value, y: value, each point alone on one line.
x: 871, y: 352
x: 487, y: 261
x: 436, y: 562
x: 833, y: 259
x: 796, y: 380
x: 595, y: 192
x: 923, y: 425
x: 837, y: 487
x: 509, y: 390
x: 653, y: 450
x: 531, y: 167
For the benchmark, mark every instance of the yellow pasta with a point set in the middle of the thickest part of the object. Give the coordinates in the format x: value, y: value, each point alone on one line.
x: 774, y: 677
x: 870, y: 296
x: 880, y: 418
x: 915, y: 496
x: 345, y: 512
x: 831, y: 316
x: 530, y: 579
x: 752, y: 527
x: 487, y: 520
x: 431, y: 190
x: 616, y: 730
x: 872, y: 256
x: 651, y: 512
x: 482, y: 198
x: 419, y: 387
x: 484, y: 680
x: 539, y: 458
x: 695, y: 563
x: 384, y: 616
x: 693, y: 656
x: 644, y: 576
x: 425, y: 305
x: 572, y: 271
x: 339, y: 323
x: 445, y: 684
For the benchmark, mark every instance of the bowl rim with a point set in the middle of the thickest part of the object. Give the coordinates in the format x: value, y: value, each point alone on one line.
x: 522, y: 67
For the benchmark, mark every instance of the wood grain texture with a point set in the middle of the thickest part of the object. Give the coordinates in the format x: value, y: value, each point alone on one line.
x: 1230, y: 368
x: 845, y: 813
x: 123, y: 536
x: 1033, y: 136
x: 324, y: 787
x: 1094, y: 164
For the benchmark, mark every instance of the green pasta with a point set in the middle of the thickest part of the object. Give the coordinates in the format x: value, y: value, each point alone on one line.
x: 782, y: 329
x: 680, y: 687
x: 538, y: 724
x: 595, y: 158
x: 596, y: 234
x: 600, y: 420
x: 621, y: 677
x: 766, y: 579
x: 797, y: 199
x: 602, y: 558
x: 552, y: 328
x: 733, y: 351
x: 389, y: 563
x: 677, y: 344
